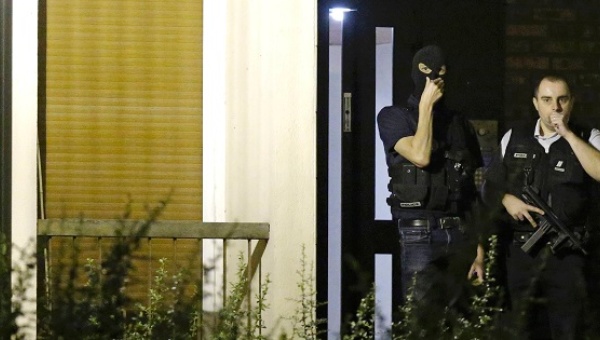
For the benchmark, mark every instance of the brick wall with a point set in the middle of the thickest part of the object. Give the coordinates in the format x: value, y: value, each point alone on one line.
x: 546, y: 35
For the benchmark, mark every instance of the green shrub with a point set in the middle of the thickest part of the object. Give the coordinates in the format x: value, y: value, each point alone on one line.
x: 237, y: 319
x: 304, y: 321
x: 99, y: 308
x: 170, y: 313
x: 13, y: 296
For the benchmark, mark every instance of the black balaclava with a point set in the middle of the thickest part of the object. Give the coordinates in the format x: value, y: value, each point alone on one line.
x: 433, y: 57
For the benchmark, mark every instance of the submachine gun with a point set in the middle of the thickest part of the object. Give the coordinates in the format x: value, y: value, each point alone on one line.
x: 549, y: 224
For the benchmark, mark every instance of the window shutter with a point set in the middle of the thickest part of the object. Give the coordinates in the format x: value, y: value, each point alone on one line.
x: 123, y: 108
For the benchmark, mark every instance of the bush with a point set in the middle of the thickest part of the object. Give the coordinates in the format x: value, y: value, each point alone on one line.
x: 13, y: 296
x: 420, y: 320
x: 98, y: 308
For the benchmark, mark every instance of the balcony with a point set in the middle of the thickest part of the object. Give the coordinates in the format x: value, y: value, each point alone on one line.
x: 183, y: 243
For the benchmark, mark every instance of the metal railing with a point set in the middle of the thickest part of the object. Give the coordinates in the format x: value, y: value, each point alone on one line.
x: 256, y: 236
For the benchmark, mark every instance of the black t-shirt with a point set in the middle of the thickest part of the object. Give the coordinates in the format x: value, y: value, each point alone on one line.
x: 396, y: 123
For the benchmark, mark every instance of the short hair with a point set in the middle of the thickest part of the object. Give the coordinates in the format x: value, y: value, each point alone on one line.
x: 552, y: 77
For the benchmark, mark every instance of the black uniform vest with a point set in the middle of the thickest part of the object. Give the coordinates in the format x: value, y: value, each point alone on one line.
x: 446, y: 184
x: 557, y: 175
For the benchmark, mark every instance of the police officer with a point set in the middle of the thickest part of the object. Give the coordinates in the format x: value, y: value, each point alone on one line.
x: 432, y: 153
x: 560, y: 161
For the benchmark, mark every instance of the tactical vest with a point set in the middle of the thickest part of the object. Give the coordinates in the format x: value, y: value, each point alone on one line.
x: 557, y: 175
x: 445, y: 185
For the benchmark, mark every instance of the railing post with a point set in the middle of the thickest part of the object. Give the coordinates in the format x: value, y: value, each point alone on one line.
x: 249, y: 282
x: 224, y: 272
x: 201, y: 282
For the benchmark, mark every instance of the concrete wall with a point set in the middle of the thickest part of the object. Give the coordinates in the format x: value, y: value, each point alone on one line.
x: 260, y: 131
x: 24, y: 132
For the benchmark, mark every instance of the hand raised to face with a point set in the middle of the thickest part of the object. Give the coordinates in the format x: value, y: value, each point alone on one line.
x: 559, y: 120
x: 433, y: 92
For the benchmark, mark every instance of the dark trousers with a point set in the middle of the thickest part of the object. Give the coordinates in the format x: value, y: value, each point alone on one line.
x: 428, y: 251
x: 547, y: 293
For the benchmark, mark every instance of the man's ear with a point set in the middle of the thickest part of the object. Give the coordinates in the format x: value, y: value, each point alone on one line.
x: 535, y: 103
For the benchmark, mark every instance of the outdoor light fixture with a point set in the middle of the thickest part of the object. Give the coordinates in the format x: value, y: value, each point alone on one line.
x: 338, y: 13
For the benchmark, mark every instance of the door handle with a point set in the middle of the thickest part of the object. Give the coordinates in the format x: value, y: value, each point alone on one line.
x: 347, y: 112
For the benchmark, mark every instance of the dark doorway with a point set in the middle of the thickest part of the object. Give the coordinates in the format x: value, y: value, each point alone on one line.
x: 376, y: 41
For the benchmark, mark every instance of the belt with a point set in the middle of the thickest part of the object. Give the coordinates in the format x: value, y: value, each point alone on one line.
x: 433, y: 223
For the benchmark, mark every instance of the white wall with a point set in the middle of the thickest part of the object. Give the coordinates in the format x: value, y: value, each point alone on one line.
x: 24, y: 132
x: 265, y: 127
x: 265, y: 141
x: 214, y: 142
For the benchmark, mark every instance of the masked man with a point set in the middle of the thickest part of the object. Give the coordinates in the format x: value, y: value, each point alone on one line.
x: 432, y: 153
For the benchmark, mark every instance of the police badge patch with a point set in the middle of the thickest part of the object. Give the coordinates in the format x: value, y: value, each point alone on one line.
x: 520, y: 155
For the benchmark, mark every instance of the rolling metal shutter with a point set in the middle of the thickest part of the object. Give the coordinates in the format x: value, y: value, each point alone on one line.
x: 123, y: 107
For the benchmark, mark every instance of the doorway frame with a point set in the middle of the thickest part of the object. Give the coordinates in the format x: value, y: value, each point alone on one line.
x: 6, y: 143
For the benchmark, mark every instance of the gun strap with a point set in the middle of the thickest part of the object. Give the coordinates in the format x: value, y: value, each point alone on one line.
x: 528, y: 169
